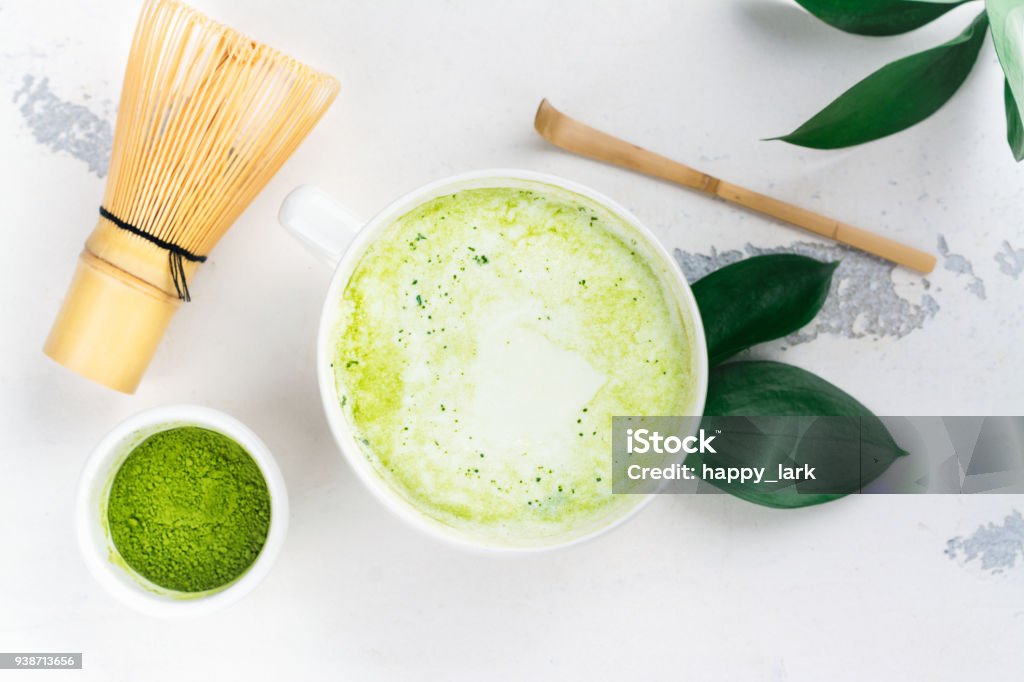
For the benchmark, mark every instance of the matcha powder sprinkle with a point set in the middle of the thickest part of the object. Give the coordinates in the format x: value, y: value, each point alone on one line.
x: 189, y: 509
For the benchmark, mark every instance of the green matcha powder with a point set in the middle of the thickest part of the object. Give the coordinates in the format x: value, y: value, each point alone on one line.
x: 189, y: 509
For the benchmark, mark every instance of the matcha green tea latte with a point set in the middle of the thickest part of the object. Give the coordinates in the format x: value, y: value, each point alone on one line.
x: 485, y: 340
x: 189, y: 510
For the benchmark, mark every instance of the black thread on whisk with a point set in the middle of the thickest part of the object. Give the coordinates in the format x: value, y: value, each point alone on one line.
x: 175, y: 253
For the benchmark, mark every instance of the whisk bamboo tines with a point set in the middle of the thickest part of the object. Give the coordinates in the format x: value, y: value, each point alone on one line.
x: 206, y: 117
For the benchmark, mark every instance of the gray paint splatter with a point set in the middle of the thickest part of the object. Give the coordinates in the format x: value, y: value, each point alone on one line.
x: 998, y: 547
x: 64, y: 126
x: 954, y: 262
x: 1011, y: 260
x: 863, y: 300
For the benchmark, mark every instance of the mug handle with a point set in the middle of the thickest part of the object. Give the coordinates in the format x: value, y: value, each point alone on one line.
x: 319, y: 223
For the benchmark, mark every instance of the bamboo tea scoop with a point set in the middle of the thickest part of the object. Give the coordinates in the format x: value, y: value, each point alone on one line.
x: 570, y: 134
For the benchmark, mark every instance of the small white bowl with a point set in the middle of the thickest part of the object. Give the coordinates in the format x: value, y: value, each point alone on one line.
x: 98, y: 549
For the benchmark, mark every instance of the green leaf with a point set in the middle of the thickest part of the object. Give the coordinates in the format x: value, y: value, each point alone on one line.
x: 760, y: 299
x: 846, y: 453
x: 878, y: 17
x: 1014, y: 129
x: 1007, y: 17
x: 896, y: 96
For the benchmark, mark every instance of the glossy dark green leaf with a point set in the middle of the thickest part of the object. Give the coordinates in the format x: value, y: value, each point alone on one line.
x: 856, y: 450
x: 878, y: 17
x: 1007, y: 18
x: 1014, y: 129
x: 760, y: 299
x: 896, y: 96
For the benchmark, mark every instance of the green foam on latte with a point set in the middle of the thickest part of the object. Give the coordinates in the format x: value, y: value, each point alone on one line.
x: 485, y: 340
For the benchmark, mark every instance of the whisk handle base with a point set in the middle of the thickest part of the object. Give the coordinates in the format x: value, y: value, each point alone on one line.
x: 109, y: 325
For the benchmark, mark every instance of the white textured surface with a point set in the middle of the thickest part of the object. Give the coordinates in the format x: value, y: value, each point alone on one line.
x: 701, y: 588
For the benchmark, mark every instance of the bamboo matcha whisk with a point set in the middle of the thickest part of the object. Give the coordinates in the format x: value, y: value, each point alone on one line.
x: 206, y: 117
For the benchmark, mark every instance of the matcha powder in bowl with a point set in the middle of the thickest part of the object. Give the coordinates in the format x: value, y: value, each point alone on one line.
x: 189, y: 510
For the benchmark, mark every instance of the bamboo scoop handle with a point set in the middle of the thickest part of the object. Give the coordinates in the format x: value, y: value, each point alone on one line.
x: 567, y: 133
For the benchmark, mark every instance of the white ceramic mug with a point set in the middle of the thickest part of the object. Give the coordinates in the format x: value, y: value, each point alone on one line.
x: 336, y: 237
